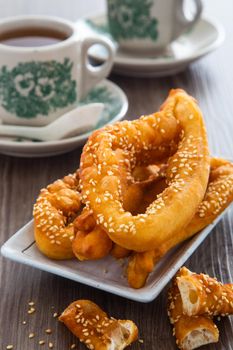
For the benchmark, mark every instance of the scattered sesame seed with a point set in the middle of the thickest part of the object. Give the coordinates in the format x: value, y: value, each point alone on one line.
x: 55, y: 314
x: 41, y: 342
x: 31, y: 310
x: 50, y: 345
x: 31, y: 303
x: 141, y: 341
x: 48, y: 331
x: 9, y: 347
x: 73, y: 346
x: 31, y: 335
x: 24, y: 322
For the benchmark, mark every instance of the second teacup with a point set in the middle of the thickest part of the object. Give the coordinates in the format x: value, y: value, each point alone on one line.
x: 149, y: 25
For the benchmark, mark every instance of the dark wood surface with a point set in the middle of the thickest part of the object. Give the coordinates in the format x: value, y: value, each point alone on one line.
x: 211, y: 81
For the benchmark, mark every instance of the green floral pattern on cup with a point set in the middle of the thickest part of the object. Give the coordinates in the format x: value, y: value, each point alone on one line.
x: 37, y: 88
x: 129, y: 19
x: 112, y: 106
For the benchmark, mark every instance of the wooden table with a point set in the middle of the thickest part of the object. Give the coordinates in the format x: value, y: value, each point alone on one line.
x: 211, y: 82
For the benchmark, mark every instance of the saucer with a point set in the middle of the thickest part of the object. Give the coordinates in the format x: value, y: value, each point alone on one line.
x: 116, y: 106
x: 206, y: 36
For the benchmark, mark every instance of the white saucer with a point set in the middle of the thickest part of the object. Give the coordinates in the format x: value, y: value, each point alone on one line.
x: 206, y: 36
x: 116, y: 106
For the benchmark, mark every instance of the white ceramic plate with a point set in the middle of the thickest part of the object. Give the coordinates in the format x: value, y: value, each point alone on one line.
x: 107, y: 273
x: 116, y: 106
x: 206, y: 36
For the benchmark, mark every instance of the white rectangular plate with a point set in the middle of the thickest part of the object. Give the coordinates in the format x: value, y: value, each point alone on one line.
x: 105, y: 274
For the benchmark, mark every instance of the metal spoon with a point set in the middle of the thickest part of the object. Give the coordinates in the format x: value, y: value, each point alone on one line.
x: 77, y: 121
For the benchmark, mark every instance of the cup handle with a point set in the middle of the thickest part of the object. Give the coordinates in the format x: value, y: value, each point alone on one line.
x: 90, y: 75
x: 181, y: 22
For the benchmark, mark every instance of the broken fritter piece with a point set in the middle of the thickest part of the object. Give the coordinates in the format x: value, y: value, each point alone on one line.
x: 95, y: 329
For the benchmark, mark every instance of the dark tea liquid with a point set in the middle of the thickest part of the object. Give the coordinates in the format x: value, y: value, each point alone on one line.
x: 32, y: 37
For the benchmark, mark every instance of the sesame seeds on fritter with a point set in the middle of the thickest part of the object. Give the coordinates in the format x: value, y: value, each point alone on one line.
x: 54, y: 206
x: 115, y: 150
x: 215, y: 298
x: 217, y: 196
x: 90, y: 327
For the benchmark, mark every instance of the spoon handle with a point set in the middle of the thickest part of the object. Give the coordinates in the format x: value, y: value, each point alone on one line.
x: 21, y: 131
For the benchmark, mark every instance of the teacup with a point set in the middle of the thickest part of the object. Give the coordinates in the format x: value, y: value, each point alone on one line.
x: 149, y: 25
x: 44, y: 68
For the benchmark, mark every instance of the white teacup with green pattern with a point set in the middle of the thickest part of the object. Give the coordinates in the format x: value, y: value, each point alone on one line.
x: 149, y: 25
x: 40, y: 83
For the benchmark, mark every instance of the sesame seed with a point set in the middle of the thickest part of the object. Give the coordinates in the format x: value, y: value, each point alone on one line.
x: 31, y: 303
x: 48, y: 331
x: 141, y: 341
x: 9, y: 347
x: 24, y: 322
x: 31, y: 310
x: 50, y: 345
x: 55, y: 314
x: 73, y: 346
x: 41, y: 342
x: 31, y: 335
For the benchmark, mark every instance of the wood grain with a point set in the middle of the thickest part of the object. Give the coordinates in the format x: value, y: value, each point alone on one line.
x: 211, y: 81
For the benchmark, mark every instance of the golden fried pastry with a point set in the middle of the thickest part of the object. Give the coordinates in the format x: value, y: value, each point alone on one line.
x: 202, y: 294
x: 190, y: 332
x: 95, y: 329
x: 218, y: 196
x: 91, y: 242
x: 112, y: 152
x: 54, y: 212
x: 62, y: 201
x: 119, y: 252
